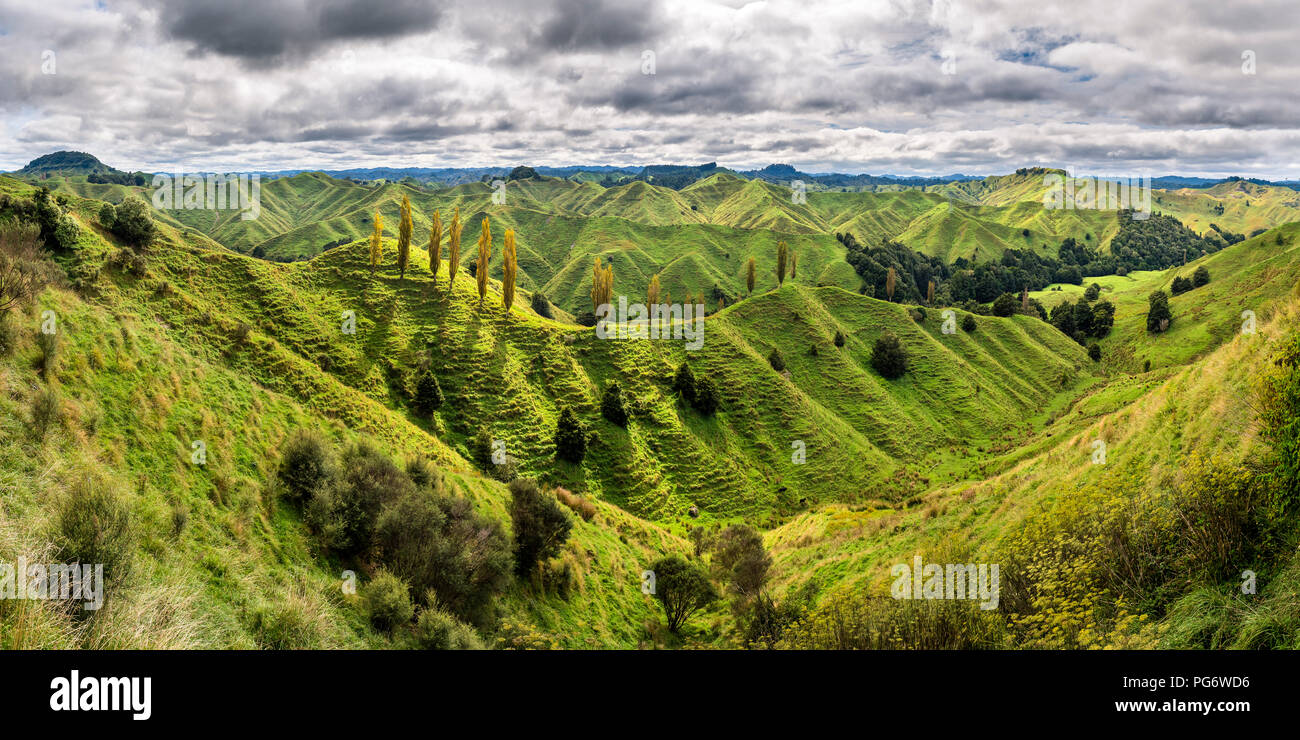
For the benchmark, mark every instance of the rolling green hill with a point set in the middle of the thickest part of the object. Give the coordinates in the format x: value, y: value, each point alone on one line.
x: 990, y: 426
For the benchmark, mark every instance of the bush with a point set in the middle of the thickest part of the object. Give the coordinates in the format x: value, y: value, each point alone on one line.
x: 1005, y: 305
x: 345, y: 513
x: 540, y: 525
x: 684, y: 384
x: 1094, y: 290
x: 428, y: 394
x: 706, y: 396
x: 888, y: 357
x: 968, y: 323
x: 133, y: 223
x: 570, y: 437
x: 681, y: 588
x: 1180, y: 285
x: 438, y: 544
x: 1094, y: 351
x: 108, y: 216
x: 839, y: 338
x: 8, y: 335
x: 438, y: 630
x: 387, y: 601
x: 739, y: 560
x: 776, y: 360
x: 306, y: 466
x: 47, y: 411
x: 1158, y: 315
x: 612, y: 406
x: 542, y: 306
x: 1200, y: 277
x: 93, y: 526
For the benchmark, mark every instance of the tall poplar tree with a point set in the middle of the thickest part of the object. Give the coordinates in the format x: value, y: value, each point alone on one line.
x: 435, y: 246
x: 509, y: 270
x: 483, y: 257
x: 376, y: 243
x: 404, y: 238
x: 453, y: 249
x: 750, y: 274
x: 782, y: 256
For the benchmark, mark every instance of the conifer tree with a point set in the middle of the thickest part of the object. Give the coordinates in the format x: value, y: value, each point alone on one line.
x: 794, y: 264
x: 376, y: 243
x: 509, y: 270
x: 404, y: 238
x: 484, y: 255
x: 782, y: 256
x: 435, y: 246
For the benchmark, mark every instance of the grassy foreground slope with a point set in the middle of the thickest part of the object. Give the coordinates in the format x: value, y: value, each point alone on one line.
x: 147, y: 364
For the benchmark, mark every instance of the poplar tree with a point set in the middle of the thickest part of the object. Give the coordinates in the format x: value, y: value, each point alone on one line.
x: 602, y: 285
x: 782, y: 256
x: 376, y: 243
x: 652, y: 292
x: 509, y: 269
x: 435, y: 246
x: 404, y: 238
x: 890, y: 280
x: 484, y: 255
x: 750, y: 274
x: 794, y: 264
x: 453, y: 249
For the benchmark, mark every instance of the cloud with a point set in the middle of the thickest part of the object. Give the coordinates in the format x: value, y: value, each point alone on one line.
x: 906, y: 86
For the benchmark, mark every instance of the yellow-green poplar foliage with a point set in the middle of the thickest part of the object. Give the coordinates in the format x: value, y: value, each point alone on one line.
x: 435, y: 246
x: 602, y: 285
x: 750, y: 274
x: 453, y: 249
x: 890, y: 280
x: 782, y: 256
x: 404, y: 238
x: 484, y: 255
x: 652, y: 292
x: 376, y: 243
x: 509, y: 270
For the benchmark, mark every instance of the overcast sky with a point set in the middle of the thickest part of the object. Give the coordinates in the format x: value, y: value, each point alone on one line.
x: 971, y: 86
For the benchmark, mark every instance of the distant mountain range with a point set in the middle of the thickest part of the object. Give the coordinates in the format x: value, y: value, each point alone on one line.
x: 676, y: 177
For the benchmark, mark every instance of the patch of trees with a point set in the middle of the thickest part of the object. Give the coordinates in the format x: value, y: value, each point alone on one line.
x: 1084, y: 319
x: 116, y: 178
x: 434, y: 544
x: 700, y: 394
x: 1159, y: 316
x: 912, y: 271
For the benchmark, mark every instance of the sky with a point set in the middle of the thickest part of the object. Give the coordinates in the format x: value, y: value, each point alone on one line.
x: 859, y: 86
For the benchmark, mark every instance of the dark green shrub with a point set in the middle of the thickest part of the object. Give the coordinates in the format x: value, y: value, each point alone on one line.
x: 1200, y: 277
x: 968, y: 324
x: 306, y: 465
x: 133, y: 223
x: 776, y: 360
x: 684, y: 384
x: 681, y: 588
x: 542, y: 306
x: 438, y: 630
x: 1094, y: 351
x: 540, y: 525
x: 344, y: 514
x: 1005, y: 305
x: 839, y: 338
x: 570, y: 437
x: 387, y: 601
x: 706, y: 396
x: 428, y: 394
x: 1158, y: 315
x: 612, y: 406
x: 888, y: 357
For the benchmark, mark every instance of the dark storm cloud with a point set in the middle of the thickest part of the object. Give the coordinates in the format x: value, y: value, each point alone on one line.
x: 263, y: 31
x: 599, y: 24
